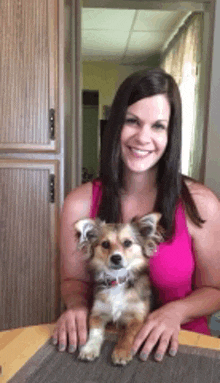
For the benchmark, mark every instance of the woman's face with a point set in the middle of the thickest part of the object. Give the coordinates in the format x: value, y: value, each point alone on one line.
x: 144, y: 134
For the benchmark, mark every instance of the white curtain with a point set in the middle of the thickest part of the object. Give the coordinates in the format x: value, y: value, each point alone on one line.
x: 182, y: 59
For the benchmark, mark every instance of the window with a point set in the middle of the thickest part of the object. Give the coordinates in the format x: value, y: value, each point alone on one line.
x: 182, y: 60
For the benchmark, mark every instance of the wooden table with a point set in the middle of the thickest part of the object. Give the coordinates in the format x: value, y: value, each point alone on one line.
x: 19, y: 345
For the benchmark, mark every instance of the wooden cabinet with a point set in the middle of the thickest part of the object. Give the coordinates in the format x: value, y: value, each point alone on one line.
x: 31, y: 162
x: 28, y: 74
x: 28, y: 227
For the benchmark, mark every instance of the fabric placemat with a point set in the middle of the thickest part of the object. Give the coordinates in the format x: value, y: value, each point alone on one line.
x: 190, y: 365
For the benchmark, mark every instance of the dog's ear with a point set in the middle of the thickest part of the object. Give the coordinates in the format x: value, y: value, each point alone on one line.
x: 149, y: 232
x: 87, y: 232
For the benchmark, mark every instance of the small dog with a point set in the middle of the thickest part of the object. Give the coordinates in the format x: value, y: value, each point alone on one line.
x: 118, y: 259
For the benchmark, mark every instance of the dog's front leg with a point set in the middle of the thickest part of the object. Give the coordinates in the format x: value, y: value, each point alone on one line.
x: 92, y: 348
x: 122, y: 351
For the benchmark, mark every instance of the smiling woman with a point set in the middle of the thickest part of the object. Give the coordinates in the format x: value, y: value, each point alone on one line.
x: 140, y: 174
x: 145, y: 132
x: 150, y: 96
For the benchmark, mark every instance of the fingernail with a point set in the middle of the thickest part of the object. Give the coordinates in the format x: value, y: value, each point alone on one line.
x: 172, y: 352
x: 144, y: 356
x: 62, y: 347
x: 158, y: 357
x: 54, y: 341
x: 72, y: 348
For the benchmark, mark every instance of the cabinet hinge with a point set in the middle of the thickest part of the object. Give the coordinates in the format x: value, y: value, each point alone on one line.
x: 52, y: 188
x: 52, y: 124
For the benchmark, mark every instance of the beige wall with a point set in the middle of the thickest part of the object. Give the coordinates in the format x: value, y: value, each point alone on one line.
x: 212, y: 164
x: 106, y: 78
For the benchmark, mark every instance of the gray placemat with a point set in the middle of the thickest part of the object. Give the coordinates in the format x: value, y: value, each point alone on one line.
x: 190, y: 365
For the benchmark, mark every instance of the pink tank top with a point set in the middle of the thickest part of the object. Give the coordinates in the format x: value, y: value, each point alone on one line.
x: 172, y: 267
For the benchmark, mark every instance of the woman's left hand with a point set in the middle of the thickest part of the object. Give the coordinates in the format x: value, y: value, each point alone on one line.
x: 162, y: 327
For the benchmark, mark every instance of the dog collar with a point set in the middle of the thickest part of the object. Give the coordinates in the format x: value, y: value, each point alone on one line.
x: 108, y: 281
x: 114, y: 282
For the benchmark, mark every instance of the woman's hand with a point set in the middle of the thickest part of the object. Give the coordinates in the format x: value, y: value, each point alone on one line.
x: 71, y: 329
x: 162, y: 327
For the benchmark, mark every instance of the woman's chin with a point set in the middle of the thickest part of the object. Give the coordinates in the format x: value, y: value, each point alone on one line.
x: 138, y: 167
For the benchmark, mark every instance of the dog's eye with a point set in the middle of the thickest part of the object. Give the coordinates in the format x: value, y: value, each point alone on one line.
x: 106, y: 244
x: 127, y: 243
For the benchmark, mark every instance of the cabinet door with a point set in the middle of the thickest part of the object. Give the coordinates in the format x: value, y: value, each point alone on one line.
x: 29, y: 276
x: 28, y: 75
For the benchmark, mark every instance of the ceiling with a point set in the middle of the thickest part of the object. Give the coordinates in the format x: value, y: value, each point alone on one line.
x: 127, y: 36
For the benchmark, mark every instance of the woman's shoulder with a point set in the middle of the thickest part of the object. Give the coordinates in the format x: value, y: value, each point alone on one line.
x: 78, y: 202
x: 206, y: 201
x: 206, y: 240
x: 208, y: 206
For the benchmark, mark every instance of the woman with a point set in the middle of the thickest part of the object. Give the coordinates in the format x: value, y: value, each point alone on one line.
x: 140, y: 173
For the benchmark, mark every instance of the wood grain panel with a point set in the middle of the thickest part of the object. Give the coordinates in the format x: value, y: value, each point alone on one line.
x: 28, y: 70
x: 28, y: 259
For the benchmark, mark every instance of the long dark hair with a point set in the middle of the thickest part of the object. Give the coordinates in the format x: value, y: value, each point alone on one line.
x: 171, y: 184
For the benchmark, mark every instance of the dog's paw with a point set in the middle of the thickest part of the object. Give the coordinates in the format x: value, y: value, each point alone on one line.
x: 121, y: 356
x: 89, y: 352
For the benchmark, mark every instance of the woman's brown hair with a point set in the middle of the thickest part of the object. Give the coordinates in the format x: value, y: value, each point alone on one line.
x: 171, y: 184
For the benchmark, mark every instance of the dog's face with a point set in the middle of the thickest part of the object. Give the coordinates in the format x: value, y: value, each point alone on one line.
x: 116, y: 246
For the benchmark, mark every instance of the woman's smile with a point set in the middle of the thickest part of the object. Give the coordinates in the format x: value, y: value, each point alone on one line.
x: 139, y: 153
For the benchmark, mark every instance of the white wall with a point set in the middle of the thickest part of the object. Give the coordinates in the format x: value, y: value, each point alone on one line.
x: 212, y: 165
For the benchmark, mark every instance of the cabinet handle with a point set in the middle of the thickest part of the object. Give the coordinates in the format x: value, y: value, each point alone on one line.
x: 52, y: 124
x: 52, y: 188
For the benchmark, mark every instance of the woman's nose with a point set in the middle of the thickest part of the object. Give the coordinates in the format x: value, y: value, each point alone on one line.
x: 144, y: 134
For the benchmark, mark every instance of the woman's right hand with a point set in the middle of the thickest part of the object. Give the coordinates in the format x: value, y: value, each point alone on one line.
x: 71, y: 329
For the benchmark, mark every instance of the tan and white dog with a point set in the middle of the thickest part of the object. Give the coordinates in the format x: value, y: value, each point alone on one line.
x: 118, y: 259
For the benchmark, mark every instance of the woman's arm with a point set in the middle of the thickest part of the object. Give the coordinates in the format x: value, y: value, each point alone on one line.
x: 163, y: 325
x: 74, y: 275
x: 206, y: 248
x: 75, y: 281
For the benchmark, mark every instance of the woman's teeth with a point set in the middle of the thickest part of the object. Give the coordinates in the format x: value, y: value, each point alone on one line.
x: 140, y: 152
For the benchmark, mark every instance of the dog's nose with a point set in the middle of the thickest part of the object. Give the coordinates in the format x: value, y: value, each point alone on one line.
x: 116, y: 259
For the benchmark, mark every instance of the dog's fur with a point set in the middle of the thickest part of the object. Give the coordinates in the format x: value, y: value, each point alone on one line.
x: 118, y: 257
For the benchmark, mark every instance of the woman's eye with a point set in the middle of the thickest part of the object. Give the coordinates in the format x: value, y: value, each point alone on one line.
x: 159, y: 126
x: 127, y: 243
x: 131, y: 121
x: 105, y: 244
